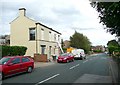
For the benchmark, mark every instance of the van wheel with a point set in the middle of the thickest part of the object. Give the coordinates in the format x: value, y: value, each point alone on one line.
x: 29, y: 70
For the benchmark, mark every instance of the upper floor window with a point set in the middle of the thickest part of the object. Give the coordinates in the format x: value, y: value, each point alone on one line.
x: 42, y: 34
x: 55, y: 37
x: 49, y: 36
x: 59, y: 38
x: 32, y: 33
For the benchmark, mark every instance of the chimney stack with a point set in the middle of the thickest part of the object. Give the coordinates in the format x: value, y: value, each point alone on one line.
x: 22, y: 12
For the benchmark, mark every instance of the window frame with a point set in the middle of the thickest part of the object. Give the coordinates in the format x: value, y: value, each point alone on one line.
x: 31, y: 38
x: 43, y: 49
x: 42, y: 34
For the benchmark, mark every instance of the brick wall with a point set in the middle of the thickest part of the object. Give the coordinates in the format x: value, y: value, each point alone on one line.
x: 40, y: 58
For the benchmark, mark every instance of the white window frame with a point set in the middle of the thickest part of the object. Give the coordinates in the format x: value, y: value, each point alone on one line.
x: 42, y: 34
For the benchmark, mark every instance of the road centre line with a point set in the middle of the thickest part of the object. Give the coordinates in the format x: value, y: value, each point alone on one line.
x: 74, y: 66
x: 47, y: 79
x: 85, y: 61
x: 91, y: 59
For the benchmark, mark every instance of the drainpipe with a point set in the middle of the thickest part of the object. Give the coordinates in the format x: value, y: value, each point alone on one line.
x: 36, y: 40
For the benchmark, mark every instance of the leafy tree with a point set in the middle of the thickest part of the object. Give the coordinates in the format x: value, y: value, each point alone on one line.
x: 80, y: 41
x: 113, y: 46
x: 113, y: 43
x: 109, y: 14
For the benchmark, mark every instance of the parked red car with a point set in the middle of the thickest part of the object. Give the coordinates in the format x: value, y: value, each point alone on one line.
x: 66, y: 57
x: 12, y: 65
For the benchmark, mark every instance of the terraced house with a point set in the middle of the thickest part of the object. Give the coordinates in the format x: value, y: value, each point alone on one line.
x: 37, y: 37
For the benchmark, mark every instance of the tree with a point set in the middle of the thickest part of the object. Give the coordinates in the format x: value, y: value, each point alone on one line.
x: 80, y: 41
x: 109, y: 14
x: 113, y: 43
x: 113, y: 46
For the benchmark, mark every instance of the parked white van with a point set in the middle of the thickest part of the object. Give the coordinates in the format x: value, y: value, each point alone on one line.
x: 79, y: 54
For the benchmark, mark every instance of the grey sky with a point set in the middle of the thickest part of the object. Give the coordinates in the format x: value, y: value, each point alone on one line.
x: 64, y: 16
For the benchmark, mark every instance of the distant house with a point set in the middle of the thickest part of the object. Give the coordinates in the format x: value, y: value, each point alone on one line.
x: 66, y: 44
x: 2, y: 41
x: 98, y: 47
x: 118, y: 40
x: 5, y: 40
x: 38, y: 38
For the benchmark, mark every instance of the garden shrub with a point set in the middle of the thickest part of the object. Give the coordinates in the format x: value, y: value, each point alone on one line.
x: 13, y: 50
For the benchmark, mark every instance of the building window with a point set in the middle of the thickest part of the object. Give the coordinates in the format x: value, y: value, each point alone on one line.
x: 58, y: 38
x: 42, y: 34
x: 43, y: 49
x: 54, y: 49
x: 55, y: 37
x: 49, y: 36
x: 32, y: 33
x: 119, y: 39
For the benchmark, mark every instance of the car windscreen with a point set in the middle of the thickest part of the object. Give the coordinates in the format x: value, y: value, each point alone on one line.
x: 64, y: 54
x: 4, y: 61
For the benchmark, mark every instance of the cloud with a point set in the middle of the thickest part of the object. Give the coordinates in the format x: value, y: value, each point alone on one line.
x: 62, y: 15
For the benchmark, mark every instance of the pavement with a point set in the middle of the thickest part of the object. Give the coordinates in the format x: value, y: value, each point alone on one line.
x: 92, y: 78
x: 113, y: 67
x: 43, y: 64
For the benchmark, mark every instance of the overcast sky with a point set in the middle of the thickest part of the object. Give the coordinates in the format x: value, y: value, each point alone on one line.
x: 64, y: 16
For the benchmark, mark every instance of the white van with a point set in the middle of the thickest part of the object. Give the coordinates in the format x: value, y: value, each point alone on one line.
x: 78, y: 54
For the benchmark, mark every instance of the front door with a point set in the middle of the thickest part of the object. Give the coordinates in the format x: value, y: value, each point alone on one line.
x: 49, y: 52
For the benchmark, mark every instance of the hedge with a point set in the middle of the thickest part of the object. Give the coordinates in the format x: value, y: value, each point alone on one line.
x: 97, y: 51
x: 13, y: 50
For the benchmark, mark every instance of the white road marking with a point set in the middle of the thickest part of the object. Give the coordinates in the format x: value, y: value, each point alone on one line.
x: 103, y: 58
x: 74, y: 66
x: 85, y: 61
x: 47, y: 79
x: 91, y: 59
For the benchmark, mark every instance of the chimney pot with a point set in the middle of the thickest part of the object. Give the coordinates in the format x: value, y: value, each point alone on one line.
x: 22, y: 11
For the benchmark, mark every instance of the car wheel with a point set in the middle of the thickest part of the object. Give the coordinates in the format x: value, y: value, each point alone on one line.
x: 67, y: 61
x: 72, y: 59
x: 1, y: 76
x: 29, y: 70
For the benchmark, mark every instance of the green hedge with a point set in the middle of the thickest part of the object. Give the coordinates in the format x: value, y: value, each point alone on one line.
x: 97, y: 51
x: 13, y: 50
x: 65, y: 50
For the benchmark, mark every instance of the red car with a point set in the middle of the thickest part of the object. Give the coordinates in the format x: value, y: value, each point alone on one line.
x: 12, y: 65
x: 66, y: 57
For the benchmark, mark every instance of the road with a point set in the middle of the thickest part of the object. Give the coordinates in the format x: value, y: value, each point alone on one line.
x: 94, y: 69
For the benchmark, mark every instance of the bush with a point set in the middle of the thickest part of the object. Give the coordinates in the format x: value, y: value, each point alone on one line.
x: 97, y: 51
x: 13, y: 50
x: 65, y: 50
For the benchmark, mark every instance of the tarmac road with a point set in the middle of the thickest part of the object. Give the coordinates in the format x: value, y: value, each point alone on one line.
x: 94, y: 69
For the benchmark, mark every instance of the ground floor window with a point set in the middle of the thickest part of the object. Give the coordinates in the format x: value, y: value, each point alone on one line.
x: 43, y: 49
x: 54, y: 49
